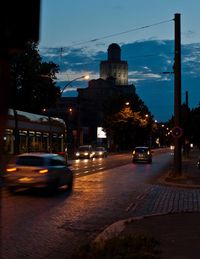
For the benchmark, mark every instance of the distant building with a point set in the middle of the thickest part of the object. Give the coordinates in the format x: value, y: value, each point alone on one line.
x: 91, y: 101
x: 88, y: 106
x: 114, y: 67
x: 113, y: 81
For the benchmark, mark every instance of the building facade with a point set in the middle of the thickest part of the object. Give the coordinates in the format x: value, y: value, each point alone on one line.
x: 113, y: 81
x: 114, y: 67
x: 91, y: 106
x: 87, y: 108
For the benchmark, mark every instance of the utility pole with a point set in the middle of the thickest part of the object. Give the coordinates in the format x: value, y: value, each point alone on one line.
x: 186, y: 99
x: 177, y: 98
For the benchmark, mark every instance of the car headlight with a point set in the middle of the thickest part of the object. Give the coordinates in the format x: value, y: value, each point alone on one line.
x: 77, y: 154
x: 86, y: 153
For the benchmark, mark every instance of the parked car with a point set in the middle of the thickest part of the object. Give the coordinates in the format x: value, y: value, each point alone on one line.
x: 38, y: 170
x: 100, y: 152
x: 85, y: 151
x: 142, y: 154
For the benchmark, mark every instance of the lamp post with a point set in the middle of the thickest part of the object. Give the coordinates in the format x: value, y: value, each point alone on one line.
x: 78, y: 130
x: 75, y: 79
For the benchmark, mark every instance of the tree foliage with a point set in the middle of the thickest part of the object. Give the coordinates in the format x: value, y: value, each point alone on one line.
x: 33, y: 84
x: 194, y: 126
x: 127, y: 121
x: 190, y: 123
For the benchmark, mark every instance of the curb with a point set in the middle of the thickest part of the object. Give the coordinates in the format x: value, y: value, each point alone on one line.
x: 162, y: 180
x: 115, y: 229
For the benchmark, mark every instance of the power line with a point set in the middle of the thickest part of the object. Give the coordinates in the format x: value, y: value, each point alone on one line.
x: 119, y: 33
x: 131, y: 30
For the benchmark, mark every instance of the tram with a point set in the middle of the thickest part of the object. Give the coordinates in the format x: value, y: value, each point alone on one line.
x: 34, y: 133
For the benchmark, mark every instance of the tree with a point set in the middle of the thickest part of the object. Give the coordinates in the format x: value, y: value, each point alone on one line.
x: 194, y: 126
x: 33, y: 81
x: 126, y: 122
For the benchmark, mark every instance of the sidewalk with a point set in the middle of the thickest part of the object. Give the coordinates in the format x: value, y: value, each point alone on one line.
x: 170, y: 213
x: 190, y: 176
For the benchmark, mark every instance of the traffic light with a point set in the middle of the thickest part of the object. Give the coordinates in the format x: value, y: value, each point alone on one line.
x: 19, y: 23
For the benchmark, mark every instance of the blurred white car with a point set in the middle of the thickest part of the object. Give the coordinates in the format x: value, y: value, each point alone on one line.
x: 38, y: 170
x: 100, y: 152
x: 85, y: 151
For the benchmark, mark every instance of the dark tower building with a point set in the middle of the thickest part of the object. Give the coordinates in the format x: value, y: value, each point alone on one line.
x: 88, y: 110
x: 114, y: 67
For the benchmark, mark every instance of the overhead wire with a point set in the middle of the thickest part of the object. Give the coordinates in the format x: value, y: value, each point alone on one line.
x: 118, y: 33
x: 124, y: 32
x: 114, y: 35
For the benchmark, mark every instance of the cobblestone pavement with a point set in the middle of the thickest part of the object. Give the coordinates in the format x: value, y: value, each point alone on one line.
x: 167, y: 199
x: 172, y: 195
x: 168, y: 211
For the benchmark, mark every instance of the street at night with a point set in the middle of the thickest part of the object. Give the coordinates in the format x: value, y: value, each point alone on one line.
x: 39, y: 225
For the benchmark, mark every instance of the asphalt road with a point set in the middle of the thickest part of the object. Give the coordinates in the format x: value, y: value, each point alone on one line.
x: 37, y: 225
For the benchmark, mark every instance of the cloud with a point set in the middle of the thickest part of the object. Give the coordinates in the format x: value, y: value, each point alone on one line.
x: 142, y: 75
x: 147, y: 60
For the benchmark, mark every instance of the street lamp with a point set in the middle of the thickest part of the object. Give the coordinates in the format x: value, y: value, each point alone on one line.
x: 80, y: 77
x: 86, y: 77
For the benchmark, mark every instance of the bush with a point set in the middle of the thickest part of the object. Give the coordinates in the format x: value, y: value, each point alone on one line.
x: 124, y: 247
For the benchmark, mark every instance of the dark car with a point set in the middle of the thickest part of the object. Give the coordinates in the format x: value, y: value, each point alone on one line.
x: 100, y: 152
x: 38, y: 170
x: 142, y: 154
x: 85, y: 151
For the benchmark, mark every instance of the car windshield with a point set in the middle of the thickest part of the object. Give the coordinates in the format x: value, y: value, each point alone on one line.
x: 83, y: 148
x: 99, y: 149
x: 141, y: 150
x: 30, y: 161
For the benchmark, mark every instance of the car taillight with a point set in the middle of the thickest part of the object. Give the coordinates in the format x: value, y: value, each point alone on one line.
x: 11, y: 170
x: 42, y: 171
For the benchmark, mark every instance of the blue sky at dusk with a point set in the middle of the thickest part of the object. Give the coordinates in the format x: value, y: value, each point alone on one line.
x: 76, y: 34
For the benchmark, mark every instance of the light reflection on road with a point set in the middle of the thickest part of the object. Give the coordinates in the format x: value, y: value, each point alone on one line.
x: 91, y: 166
x: 86, y: 166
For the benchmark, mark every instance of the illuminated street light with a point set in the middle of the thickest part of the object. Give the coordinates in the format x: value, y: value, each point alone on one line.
x: 80, y: 77
x: 69, y: 113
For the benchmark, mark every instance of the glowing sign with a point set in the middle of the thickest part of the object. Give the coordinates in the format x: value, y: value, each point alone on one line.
x: 101, y: 133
